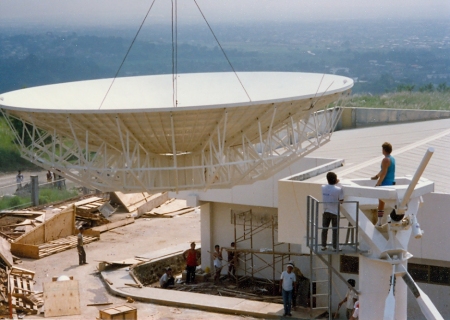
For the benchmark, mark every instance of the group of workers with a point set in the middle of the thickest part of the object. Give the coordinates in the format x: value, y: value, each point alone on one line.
x: 333, y: 195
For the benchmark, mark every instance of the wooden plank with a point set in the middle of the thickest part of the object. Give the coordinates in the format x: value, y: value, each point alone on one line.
x: 99, y: 304
x: 114, y: 225
x: 85, y: 201
x: 22, y: 272
x: 25, y: 250
x: 5, y: 252
x: 61, y: 298
x: 131, y: 201
x: 178, y: 213
x: 155, y: 201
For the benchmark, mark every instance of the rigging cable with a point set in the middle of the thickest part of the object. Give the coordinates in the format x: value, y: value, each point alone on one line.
x: 223, y: 51
x: 126, y: 55
x: 174, y: 52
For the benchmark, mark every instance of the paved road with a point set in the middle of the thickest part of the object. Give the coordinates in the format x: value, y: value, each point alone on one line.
x: 8, y: 180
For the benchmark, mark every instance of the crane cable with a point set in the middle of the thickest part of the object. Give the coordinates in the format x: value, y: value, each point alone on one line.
x: 223, y: 51
x: 174, y: 52
x: 126, y: 55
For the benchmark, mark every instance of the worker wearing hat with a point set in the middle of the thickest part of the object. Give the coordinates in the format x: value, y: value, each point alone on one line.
x: 287, y: 287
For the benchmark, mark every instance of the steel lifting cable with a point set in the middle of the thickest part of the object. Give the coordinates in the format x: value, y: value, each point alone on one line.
x: 223, y: 51
x: 174, y: 52
x: 126, y: 55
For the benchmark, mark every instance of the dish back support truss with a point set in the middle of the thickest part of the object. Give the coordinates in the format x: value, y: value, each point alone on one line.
x: 121, y: 159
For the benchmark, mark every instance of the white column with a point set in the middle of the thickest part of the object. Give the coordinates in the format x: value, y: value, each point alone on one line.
x: 206, y: 234
x: 374, y: 276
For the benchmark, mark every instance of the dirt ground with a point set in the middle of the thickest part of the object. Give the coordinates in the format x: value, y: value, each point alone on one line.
x: 141, y: 237
x: 138, y: 238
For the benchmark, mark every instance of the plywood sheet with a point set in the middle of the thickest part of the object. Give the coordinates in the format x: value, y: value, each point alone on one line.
x: 5, y: 252
x: 61, y: 298
x: 155, y: 201
x: 171, y: 205
x: 25, y: 250
x: 59, y: 226
x: 131, y: 201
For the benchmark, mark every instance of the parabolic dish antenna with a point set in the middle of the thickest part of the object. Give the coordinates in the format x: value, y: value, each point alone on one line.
x: 208, y: 132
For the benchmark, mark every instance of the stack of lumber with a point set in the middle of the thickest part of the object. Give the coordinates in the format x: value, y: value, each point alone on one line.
x: 62, y: 244
x: 87, y: 210
x: 169, y: 209
x: 13, y: 224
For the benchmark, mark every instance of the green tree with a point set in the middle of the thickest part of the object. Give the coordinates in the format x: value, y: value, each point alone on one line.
x: 442, y: 87
x: 427, y: 88
x: 405, y: 87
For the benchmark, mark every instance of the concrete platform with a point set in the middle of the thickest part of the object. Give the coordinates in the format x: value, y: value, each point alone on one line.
x: 228, y: 305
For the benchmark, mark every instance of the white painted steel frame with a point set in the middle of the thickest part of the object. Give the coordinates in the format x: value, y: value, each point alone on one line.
x: 128, y: 164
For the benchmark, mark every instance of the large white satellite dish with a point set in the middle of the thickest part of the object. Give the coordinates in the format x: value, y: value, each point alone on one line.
x: 212, y: 133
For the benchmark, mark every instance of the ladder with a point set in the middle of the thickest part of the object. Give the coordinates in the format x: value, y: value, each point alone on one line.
x: 320, y: 282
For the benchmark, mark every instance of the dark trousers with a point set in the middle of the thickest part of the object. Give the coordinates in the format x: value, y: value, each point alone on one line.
x: 326, y: 219
x: 287, y: 300
x: 169, y: 282
x: 81, y: 255
x: 231, y: 269
x: 190, y: 274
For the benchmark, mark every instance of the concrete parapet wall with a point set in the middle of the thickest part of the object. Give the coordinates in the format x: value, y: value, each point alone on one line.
x: 150, y: 272
x: 366, y: 117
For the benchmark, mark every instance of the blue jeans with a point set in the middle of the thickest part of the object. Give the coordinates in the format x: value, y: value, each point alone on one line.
x: 287, y: 300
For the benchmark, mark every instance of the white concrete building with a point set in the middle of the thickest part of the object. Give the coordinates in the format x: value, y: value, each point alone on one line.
x: 283, y: 196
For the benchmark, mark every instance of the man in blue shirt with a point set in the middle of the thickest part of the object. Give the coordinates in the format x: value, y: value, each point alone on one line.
x: 386, y: 176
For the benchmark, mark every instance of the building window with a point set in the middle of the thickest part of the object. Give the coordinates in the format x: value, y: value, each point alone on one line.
x: 429, y: 274
x: 349, y: 264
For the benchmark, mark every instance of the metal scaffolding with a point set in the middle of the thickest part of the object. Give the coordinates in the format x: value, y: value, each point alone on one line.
x: 246, y: 226
x: 321, y: 261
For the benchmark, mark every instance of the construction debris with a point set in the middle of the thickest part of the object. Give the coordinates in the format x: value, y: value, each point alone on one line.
x: 169, y: 209
x: 23, y: 297
x: 14, y: 224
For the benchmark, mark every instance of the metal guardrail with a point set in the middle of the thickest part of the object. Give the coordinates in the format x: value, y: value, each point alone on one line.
x: 313, y: 227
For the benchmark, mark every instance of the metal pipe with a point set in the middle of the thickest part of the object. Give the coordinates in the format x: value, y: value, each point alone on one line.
x: 426, y: 158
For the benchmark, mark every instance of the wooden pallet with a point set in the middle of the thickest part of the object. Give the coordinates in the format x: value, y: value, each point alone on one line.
x: 23, y: 297
x: 62, y: 244
x: 90, y: 207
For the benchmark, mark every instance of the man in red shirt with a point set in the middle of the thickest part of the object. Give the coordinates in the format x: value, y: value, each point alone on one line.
x: 191, y: 256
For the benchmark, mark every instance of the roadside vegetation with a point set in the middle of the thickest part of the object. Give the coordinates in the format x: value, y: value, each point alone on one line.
x: 46, y: 195
x: 10, y: 160
x: 405, y: 97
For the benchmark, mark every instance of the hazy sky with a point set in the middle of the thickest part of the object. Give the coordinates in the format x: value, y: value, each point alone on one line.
x: 117, y: 12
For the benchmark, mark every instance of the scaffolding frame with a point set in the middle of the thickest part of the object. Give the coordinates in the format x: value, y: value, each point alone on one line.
x: 312, y: 241
x: 247, y: 254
